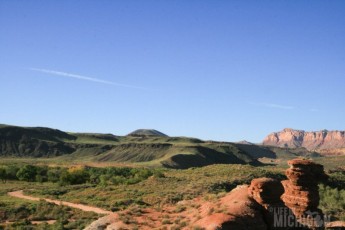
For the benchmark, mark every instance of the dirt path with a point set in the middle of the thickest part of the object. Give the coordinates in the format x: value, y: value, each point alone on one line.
x: 19, y: 194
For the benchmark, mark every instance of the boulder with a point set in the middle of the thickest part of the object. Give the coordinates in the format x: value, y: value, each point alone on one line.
x: 266, y: 191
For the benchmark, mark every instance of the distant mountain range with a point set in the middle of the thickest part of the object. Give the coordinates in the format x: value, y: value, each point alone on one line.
x: 149, y: 147
x: 146, y: 147
x: 323, y: 141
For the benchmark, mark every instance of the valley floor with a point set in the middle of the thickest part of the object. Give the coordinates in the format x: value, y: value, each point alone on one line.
x: 166, y: 195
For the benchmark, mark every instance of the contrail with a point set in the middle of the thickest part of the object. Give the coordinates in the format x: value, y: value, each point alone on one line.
x: 85, y: 78
x: 276, y: 106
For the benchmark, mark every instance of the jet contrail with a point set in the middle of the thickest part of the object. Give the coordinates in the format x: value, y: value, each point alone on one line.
x: 276, y: 106
x: 85, y: 78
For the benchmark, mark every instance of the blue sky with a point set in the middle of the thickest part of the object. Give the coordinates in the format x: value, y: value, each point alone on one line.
x: 221, y: 70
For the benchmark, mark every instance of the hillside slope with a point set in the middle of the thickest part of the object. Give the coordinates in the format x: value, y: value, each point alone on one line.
x: 36, y: 142
x: 146, y: 150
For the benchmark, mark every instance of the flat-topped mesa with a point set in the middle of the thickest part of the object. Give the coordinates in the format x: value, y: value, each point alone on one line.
x: 301, y: 191
x: 316, y: 140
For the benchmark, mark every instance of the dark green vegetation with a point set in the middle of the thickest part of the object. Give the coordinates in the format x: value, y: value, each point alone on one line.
x: 332, y: 202
x: 77, y: 175
x: 332, y: 194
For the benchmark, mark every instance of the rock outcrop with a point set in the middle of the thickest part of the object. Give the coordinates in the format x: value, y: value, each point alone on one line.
x: 271, y: 204
x: 266, y: 191
x: 319, y: 140
x: 301, y: 191
x: 242, y: 212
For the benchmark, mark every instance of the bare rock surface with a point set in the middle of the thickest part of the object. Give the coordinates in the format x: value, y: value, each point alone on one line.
x: 319, y: 140
x: 301, y: 191
x: 266, y: 191
x: 102, y: 223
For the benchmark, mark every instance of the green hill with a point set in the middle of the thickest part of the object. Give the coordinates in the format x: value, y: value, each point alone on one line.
x: 144, y: 147
x: 35, y: 142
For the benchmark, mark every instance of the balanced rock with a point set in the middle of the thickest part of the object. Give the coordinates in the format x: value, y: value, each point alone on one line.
x: 301, y: 191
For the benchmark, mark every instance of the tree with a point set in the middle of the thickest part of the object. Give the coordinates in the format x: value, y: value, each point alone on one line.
x: 3, y: 175
x: 65, y: 178
x: 78, y: 176
x: 54, y: 174
x: 27, y: 173
x: 11, y: 172
x: 41, y: 174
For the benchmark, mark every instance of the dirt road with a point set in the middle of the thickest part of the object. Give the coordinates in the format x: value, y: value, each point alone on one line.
x: 19, y: 194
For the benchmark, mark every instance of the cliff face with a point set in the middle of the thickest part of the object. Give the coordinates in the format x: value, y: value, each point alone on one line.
x: 310, y: 140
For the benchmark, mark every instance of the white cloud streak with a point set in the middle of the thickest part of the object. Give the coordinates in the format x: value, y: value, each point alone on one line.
x: 85, y: 78
x: 275, y: 106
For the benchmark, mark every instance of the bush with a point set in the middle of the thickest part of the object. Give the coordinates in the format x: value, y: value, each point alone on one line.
x: 11, y: 172
x: 53, y: 174
x: 332, y: 201
x: 73, y: 176
x: 3, y: 174
x: 27, y: 173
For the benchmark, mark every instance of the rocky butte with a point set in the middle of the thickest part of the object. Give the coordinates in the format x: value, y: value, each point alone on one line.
x: 319, y: 140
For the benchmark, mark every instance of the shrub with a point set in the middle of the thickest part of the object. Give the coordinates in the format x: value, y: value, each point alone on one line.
x: 3, y: 174
x: 332, y: 201
x: 27, y: 173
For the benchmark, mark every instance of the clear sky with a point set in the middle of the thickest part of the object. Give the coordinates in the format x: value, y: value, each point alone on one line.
x: 221, y: 70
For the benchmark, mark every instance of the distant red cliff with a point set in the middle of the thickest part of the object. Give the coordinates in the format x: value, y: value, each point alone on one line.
x: 319, y: 140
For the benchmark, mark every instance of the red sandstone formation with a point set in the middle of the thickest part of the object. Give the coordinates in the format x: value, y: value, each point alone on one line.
x: 297, y: 200
x: 320, y: 140
x: 301, y: 191
x: 242, y: 212
x: 266, y: 191
x: 252, y: 207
